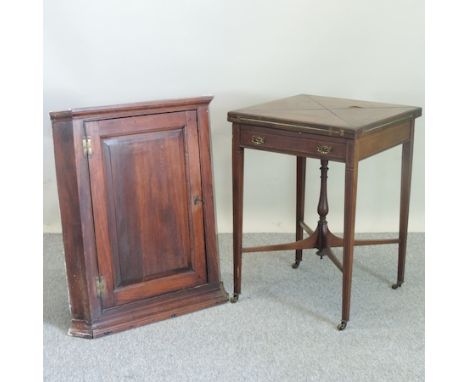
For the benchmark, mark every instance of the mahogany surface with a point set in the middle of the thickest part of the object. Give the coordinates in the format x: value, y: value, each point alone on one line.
x: 137, y: 213
x: 324, y: 128
x: 324, y: 115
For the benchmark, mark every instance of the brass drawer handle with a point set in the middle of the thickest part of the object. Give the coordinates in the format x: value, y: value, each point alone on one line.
x: 257, y: 140
x: 324, y: 149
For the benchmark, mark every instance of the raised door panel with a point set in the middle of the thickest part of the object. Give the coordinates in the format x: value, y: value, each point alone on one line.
x: 146, y: 190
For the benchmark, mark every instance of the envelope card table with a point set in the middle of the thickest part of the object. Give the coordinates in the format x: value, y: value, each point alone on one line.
x: 328, y: 129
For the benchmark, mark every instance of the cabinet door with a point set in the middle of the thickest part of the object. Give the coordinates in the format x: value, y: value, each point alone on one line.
x: 147, y: 205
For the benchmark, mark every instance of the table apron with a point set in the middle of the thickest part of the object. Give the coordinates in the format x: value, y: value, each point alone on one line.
x: 294, y: 143
x: 391, y: 136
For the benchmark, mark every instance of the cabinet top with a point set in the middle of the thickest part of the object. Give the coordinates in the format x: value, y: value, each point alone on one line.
x: 169, y: 104
x: 324, y: 115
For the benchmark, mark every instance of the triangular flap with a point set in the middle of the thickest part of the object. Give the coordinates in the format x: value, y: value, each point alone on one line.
x: 343, y: 103
x: 357, y: 117
x: 299, y: 102
x: 312, y: 117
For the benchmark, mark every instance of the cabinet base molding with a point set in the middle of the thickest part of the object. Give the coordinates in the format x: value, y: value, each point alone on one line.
x: 161, y: 308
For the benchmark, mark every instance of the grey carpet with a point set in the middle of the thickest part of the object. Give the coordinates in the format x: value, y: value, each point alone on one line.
x: 282, y: 329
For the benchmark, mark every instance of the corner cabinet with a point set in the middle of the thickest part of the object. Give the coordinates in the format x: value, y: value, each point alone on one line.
x: 137, y: 209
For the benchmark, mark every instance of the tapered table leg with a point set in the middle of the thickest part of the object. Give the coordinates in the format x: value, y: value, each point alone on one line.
x: 237, y: 208
x: 351, y: 176
x: 406, y: 167
x: 300, y: 201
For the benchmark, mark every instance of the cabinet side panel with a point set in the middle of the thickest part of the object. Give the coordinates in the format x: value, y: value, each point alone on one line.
x: 70, y: 216
x: 211, y: 239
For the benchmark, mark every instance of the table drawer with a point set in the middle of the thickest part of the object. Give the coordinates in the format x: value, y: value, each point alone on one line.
x: 295, y: 143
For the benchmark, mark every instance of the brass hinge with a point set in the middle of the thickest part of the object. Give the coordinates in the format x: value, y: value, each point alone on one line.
x: 100, y: 286
x: 87, y: 148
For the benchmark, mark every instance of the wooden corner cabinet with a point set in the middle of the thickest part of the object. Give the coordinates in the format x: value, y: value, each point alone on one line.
x: 137, y: 209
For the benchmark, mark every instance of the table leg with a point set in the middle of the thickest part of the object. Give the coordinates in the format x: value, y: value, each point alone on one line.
x: 351, y: 176
x: 406, y: 166
x: 300, y: 201
x: 237, y: 208
x: 322, y: 209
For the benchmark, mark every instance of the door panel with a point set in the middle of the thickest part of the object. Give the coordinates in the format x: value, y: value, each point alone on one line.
x: 145, y: 182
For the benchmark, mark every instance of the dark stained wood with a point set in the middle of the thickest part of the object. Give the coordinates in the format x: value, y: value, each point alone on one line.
x: 132, y: 194
x: 208, y: 204
x: 376, y: 242
x: 406, y: 168
x: 238, y: 203
x: 335, y: 241
x: 147, y: 163
x: 67, y: 177
x: 87, y: 221
x: 132, y: 109
x: 351, y: 175
x: 310, y: 242
x: 300, y: 201
x: 390, y: 136
x: 325, y: 128
x: 147, y: 311
x: 137, y: 214
x: 322, y: 208
x: 328, y: 252
x: 332, y: 240
x: 292, y: 142
x: 306, y: 228
x: 324, y: 115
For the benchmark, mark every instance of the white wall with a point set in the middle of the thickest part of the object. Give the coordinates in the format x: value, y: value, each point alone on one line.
x: 246, y: 52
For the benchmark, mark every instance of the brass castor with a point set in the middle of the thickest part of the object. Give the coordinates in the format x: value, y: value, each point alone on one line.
x: 296, y: 264
x: 234, y: 298
x: 397, y: 285
x: 319, y: 253
x: 342, y: 325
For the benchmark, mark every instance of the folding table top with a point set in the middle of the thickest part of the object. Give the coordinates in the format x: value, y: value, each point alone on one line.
x: 337, y: 116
